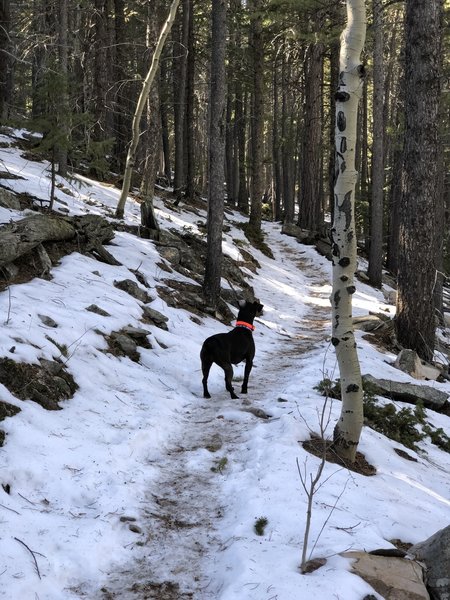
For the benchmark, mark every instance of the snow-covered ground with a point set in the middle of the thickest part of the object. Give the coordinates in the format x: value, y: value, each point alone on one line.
x: 88, y: 492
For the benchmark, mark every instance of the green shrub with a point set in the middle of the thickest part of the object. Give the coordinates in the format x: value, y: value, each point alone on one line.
x: 260, y: 525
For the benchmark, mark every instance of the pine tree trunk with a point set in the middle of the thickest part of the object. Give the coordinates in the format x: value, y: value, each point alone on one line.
x: 63, y: 104
x: 348, y: 429
x: 241, y: 117
x: 310, y: 213
x: 150, y: 227
x: 100, y: 130
x: 5, y: 60
x: 217, y: 125
x: 377, y: 206
x: 415, y: 322
x: 165, y: 128
x: 276, y: 145
x: 288, y: 135
x: 257, y: 117
x: 189, y: 123
x: 180, y: 39
x: 121, y: 101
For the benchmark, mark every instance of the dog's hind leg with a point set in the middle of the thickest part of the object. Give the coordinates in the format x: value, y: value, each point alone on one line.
x: 248, y: 368
x: 228, y: 370
x: 206, y: 366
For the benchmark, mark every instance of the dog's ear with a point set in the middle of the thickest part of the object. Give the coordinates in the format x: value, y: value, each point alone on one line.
x: 242, y: 303
x: 258, y: 307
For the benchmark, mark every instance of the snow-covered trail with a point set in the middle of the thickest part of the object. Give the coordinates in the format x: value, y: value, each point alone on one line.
x: 181, y: 556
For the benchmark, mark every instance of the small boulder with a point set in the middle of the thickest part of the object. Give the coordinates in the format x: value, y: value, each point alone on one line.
x: 408, y: 361
x: 9, y: 199
x: 435, y: 553
x: 156, y: 318
x: 394, y: 578
x: 407, y: 392
x: 132, y: 288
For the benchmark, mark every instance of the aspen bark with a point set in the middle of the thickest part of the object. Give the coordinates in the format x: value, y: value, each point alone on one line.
x: 348, y: 428
x: 131, y: 156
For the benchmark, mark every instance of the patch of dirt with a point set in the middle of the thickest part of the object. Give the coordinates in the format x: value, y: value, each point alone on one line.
x: 404, y: 454
x: 315, y: 446
x: 166, y: 590
x: 46, y: 384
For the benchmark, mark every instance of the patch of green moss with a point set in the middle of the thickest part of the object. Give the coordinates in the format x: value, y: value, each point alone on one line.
x: 407, y: 425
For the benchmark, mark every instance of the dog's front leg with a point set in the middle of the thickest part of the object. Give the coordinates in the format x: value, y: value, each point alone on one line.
x: 248, y: 368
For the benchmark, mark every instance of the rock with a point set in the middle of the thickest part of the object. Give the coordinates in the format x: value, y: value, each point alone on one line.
x: 153, y: 316
x: 362, y: 276
x: 125, y: 345
x: 171, y: 254
x: 391, y: 296
x: 9, y: 199
x: 99, y: 311
x: 7, y: 410
x: 323, y: 247
x: 369, y: 323
x: 9, y: 272
x: 407, y: 392
x: 435, y: 553
x: 53, y: 367
x: 257, y: 412
x: 137, y: 334
x: 409, y: 362
x: 48, y: 321
x: 304, y: 236
x: 132, y: 288
x: 393, y: 578
x: 291, y: 230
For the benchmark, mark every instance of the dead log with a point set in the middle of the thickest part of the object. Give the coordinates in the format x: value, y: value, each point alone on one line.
x: 35, y: 234
x: 19, y: 238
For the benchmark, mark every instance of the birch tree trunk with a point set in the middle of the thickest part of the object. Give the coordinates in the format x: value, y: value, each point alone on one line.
x: 131, y: 156
x: 348, y: 429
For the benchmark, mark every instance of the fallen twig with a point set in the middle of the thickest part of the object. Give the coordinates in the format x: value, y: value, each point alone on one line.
x: 33, y: 554
x: 11, y: 509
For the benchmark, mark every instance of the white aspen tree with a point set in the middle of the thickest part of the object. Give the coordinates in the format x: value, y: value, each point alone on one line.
x: 351, y: 75
x: 131, y: 156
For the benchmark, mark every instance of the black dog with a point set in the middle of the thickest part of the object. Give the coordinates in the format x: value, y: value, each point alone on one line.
x: 227, y: 349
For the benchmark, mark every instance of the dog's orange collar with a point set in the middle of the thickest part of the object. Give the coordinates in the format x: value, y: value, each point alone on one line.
x: 248, y: 326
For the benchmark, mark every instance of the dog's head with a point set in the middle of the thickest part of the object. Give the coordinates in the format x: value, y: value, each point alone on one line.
x: 249, y: 310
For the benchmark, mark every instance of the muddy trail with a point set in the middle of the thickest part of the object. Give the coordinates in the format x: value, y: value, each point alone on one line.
x: 181, y: 520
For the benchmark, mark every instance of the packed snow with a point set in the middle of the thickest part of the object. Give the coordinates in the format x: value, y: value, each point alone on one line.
x: 86, y: 491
